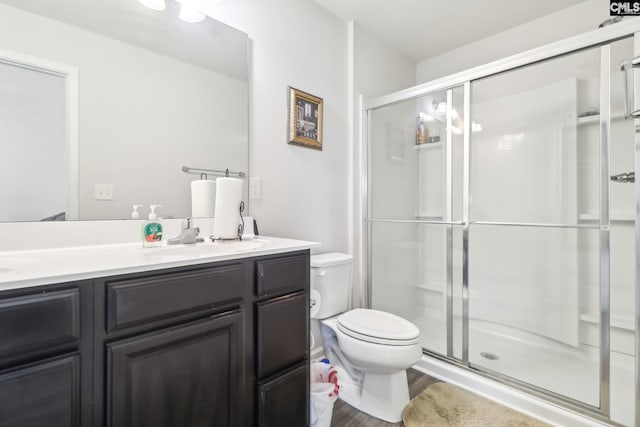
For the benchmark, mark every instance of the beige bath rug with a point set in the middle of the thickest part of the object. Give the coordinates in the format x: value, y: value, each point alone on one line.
x: 443, y: 404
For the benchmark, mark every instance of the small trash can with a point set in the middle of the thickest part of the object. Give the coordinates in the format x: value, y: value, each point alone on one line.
x: 324, y: 392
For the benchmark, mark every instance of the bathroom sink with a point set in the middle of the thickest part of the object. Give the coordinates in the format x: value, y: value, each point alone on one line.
x: 12, y: 263
x: 206, y: 249
x: 240, y: 245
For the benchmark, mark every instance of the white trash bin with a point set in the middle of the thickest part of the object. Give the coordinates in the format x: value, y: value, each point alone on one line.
x: 324, y: 392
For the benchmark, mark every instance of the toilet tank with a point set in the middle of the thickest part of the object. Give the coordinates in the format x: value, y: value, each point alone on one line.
x: 331, y: 278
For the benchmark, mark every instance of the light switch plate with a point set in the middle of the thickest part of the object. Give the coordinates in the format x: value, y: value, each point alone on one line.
x: 103, y: 191
x: 255, y: 187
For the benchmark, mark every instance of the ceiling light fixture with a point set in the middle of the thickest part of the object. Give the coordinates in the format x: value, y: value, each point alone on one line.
x: 475, y: 126
x: 188, y: 13
x: 428, y: 118
x: 440, y: 107
x: 154, y: 4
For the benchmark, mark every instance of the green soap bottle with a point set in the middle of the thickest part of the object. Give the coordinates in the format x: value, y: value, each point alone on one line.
x: 152, y: 229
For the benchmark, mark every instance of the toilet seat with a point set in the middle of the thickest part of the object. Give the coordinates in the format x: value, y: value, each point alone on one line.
x: 378, y: 327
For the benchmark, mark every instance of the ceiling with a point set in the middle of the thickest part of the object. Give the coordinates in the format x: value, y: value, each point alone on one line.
x: 421, y: 29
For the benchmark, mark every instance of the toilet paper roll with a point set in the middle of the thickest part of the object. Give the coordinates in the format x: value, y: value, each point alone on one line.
x: 227, y: 208
x: 312, y: 341
x: 315, y: 301
x: 203, y: 198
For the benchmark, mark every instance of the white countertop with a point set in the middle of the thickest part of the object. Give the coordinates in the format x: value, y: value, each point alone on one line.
x: 21, y: 269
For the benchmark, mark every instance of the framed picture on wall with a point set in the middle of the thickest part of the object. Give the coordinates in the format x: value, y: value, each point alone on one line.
x: 305, y: 119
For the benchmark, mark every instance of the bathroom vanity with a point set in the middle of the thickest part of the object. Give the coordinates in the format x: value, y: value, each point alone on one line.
x: 157, y: 337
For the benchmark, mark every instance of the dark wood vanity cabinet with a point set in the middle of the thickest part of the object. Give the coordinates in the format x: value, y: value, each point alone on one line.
x: 45, y: 333
x: 223, y: 344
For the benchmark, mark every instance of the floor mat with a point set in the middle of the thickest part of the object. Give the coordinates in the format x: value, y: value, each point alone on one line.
x: 443, y: 404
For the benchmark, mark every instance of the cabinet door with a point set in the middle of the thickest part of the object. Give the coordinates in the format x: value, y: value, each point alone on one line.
x: 191, y: 375
x: 44, y: 394
x: 284, y: 401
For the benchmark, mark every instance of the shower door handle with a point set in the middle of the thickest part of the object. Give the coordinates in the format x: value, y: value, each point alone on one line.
x: 627, y: 67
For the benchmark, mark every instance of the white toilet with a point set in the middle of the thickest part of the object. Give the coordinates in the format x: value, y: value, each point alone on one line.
x: 374, y: 347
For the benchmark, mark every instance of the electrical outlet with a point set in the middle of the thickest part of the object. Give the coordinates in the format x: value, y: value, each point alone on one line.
x: 255, y: 187
x: 103, y: 191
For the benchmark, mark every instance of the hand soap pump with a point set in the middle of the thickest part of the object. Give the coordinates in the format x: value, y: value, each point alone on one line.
x: 135, y: 214
x: 152, y: 230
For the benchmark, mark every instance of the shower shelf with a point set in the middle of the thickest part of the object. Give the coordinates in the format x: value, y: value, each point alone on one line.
x: 620, y: 322
x: 431, y: 287
x: 614, y: 216
x: 595, y: 118
x: 428, y: 146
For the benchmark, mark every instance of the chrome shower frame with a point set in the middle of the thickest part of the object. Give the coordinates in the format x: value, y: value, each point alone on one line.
x: 597, y: 38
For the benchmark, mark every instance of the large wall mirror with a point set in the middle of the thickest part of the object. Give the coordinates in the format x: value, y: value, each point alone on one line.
x: 104, y: 103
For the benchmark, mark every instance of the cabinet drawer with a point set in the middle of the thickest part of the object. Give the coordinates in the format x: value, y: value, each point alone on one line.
x: 282, y: 333
x: 159, y: 298
x: 44, y: 394
x: 284, y: 401
x: 39, y: 323
x: 281, y: 275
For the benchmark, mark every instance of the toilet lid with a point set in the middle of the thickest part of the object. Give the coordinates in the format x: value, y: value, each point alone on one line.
x: 378, y: 327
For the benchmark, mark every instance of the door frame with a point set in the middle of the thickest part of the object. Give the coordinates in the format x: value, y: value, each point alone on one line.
x: 70, y: 75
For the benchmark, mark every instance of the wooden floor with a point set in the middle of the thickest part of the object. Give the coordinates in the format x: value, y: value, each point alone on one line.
x: 346, y: 416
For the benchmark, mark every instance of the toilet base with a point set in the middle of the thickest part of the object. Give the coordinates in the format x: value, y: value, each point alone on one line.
x: 382, y: 396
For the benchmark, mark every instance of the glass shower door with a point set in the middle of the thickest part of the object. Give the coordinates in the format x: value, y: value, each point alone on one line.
x: 539, y: 229
x: 502, y: 221
x: 415, y: 214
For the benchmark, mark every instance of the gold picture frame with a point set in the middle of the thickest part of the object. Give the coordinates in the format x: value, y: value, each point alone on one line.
x: 305, y: 119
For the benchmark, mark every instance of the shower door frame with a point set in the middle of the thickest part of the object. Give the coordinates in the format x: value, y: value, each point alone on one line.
x: 599, y: 38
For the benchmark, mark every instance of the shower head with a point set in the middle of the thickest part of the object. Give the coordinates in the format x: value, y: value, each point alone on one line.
x: 624, y: 177
x: 610, y: 21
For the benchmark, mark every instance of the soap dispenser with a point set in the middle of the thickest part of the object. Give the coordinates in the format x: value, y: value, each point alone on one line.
x: 135, y: 214
x: 152, y: 229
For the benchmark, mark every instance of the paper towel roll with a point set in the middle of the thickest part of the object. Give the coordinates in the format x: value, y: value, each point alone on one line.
x: 316, y: 301
x: 227, y: 208
x: 203, y: 198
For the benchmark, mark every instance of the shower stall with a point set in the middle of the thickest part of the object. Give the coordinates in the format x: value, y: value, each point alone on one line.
x: 500, y: 219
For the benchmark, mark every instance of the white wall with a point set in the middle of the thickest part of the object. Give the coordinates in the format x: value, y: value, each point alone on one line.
x: 142, y: 116
x: 304, y: 191
x: 378, y: 68
x: 375, y: 70
x: 582, y: 17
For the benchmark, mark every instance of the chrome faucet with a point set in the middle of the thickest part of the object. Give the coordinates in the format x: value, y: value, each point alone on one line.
x: 188, y: 234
